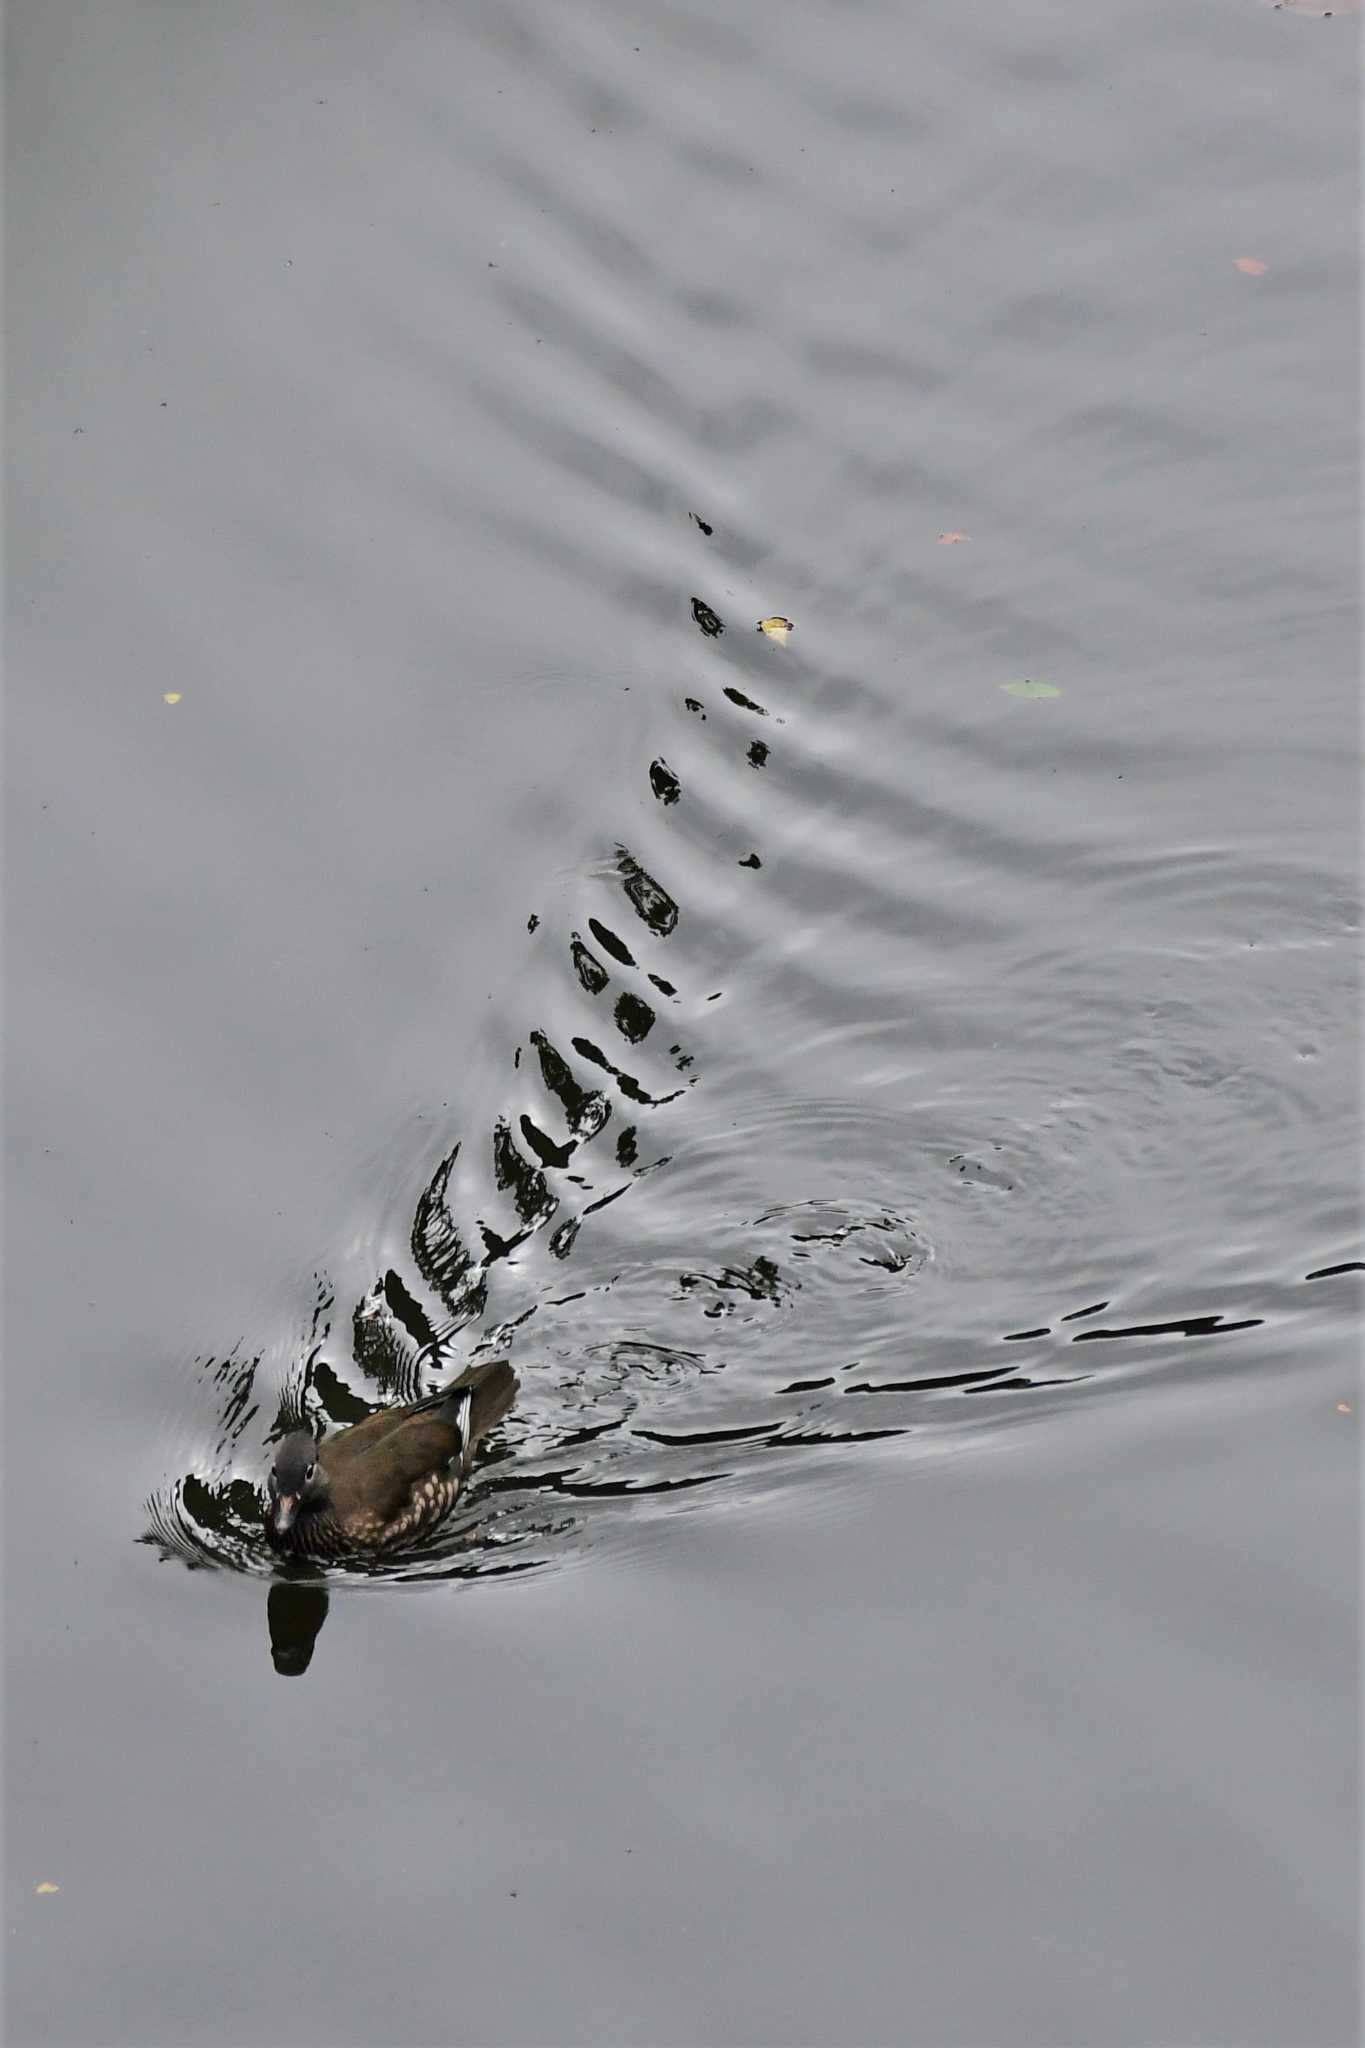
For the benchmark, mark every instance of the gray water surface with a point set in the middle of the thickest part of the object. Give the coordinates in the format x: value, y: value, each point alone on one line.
x: 903, y: 1123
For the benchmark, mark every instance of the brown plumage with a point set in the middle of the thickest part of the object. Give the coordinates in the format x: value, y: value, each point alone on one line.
x: 378, y: 1484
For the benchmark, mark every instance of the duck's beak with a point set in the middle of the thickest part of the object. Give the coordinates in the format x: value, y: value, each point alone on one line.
x: 286, y: 1510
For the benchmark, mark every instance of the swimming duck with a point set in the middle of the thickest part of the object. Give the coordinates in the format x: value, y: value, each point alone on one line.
x: 381, y: 1482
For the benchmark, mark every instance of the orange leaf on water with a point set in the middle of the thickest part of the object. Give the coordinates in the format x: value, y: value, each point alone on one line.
x: 1252, y: 266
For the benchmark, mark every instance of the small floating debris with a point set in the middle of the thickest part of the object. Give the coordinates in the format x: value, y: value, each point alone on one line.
x: 952, y: 540
x: 1026, y: 687
x: 776, y: 628
x: 40, y: 1889
x: 171, y: 696
x: 1252, y: 266
x: 706, y: 618
x: 697, y: 520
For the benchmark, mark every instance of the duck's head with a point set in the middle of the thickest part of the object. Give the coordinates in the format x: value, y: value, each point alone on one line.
x: 297, y: 1484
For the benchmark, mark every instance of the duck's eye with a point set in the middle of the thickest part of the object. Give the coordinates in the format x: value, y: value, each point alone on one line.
x: 309, y: 1473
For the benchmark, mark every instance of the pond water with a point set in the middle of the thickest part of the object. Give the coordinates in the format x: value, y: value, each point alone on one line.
x: 891, y: 1081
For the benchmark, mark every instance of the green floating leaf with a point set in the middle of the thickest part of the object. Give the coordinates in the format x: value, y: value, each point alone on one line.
x: 1025, y: 688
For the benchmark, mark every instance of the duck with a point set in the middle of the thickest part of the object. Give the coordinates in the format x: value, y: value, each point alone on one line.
x: 380, y: 1483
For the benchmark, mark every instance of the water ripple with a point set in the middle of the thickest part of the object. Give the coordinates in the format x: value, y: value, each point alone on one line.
x: 797, y: 1251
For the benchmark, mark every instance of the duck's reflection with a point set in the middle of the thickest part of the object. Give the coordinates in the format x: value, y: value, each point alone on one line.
x: 296, y: 1608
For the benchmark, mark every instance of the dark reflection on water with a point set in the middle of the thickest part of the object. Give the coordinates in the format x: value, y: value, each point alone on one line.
x: 1187, y: 1326
x: 613, y: 1422
x: 296, y: 1608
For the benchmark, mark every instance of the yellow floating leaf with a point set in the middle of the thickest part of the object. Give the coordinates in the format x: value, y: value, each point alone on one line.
x: 776, y: 628
x: 171, y: 697
x: 46, y: 1887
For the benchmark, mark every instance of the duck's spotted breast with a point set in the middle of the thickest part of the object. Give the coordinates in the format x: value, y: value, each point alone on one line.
x: 327, y: 1535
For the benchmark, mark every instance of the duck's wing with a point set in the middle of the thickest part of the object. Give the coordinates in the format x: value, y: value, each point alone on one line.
x: 471, y: 1404
x: 378, y: 1484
